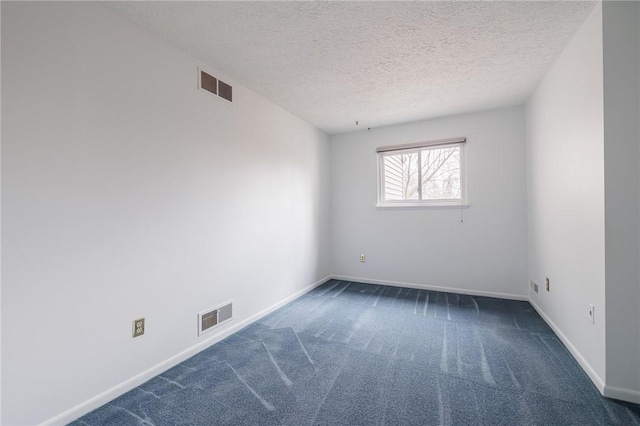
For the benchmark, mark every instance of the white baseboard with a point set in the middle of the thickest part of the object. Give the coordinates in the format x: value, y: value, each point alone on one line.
x: 595, y: 378
x: 433, y: 288
x: 628, y: 395
x: 110, y: 394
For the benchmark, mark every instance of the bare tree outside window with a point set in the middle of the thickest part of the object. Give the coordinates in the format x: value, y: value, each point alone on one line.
x: 441, y: 174
x: 401, y: 176
x: 425, y: 174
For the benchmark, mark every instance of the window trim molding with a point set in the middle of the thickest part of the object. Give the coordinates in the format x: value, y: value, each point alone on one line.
x: 382, y: 152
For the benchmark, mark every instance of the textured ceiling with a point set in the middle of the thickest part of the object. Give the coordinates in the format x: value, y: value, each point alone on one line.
x: 332, y: 63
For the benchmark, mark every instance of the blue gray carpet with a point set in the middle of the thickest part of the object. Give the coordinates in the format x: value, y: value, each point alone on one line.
x: 358, y: 354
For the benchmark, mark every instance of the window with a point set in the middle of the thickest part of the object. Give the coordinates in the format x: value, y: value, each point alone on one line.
x: 423, y: 174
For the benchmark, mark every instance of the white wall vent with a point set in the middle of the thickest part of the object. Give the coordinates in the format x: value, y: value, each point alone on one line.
x: 213, y: 317
x: 211, y: 84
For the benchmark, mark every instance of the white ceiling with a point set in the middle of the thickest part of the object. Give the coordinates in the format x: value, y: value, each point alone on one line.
x: 332, y: 63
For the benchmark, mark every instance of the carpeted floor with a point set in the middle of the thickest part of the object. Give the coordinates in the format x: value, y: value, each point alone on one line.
x: 359, y: 354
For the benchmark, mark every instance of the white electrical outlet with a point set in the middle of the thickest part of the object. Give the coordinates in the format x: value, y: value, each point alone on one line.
x: 363, y: 258
x: 592, y: 314
x: 138, y: 327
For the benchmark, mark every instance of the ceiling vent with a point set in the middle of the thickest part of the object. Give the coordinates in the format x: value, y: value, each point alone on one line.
x: 213, y: 317
x: 211, y: 84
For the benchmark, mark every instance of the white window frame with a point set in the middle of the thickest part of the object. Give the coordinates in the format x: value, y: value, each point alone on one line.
x: 382, y: 152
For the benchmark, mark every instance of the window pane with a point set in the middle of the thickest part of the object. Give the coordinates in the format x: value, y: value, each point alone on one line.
x: 401, y: 177
x: 441, y: 173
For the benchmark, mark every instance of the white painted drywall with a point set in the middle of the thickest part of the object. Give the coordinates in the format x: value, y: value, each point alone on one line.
x: 126, y: 193
x: 0, y: 236
x: 486, y: 254
x: 622, y: 197
x: 565, y: 176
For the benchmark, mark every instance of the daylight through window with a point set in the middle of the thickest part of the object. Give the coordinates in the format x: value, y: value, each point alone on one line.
x: 426, y: 174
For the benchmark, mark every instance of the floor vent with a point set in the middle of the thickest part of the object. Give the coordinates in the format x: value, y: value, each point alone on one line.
x: 213, y: 317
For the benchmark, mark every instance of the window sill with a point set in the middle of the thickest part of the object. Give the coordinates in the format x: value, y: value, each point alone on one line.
x: 387, y: 206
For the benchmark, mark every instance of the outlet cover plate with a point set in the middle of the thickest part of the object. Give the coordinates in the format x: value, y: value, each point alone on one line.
x: 592, y: 314
x: 138, y: 327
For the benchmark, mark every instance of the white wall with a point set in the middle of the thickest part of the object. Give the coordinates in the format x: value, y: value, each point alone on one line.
x: 0, y: 238
x: 431, y: 247
x: 622, y: 197
x: 126, y: 192
x: 565, y: 175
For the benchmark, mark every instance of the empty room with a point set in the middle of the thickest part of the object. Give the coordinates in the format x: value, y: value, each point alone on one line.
x: 315, y: 213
